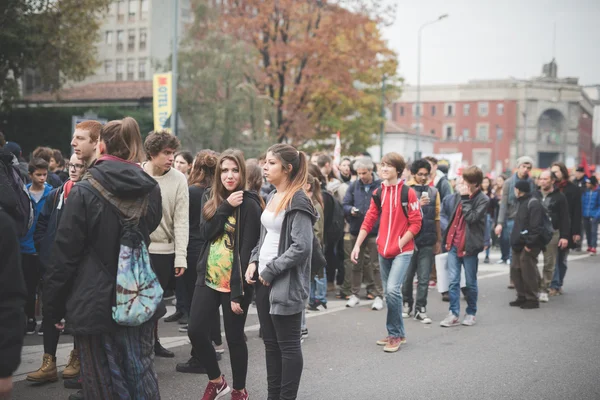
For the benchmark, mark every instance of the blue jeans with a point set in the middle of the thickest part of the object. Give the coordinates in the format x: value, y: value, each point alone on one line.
x: 488, y: 227
x: 505, y: 239
x: 591, y: 231
x: 393, y: 273
x: 561, y: 269
x: 318, y: 289
x: 454, y: 264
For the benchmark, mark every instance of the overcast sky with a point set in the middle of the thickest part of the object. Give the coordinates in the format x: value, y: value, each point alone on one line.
x: 488, y: 39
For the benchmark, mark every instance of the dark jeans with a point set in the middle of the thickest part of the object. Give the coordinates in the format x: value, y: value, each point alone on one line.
x: 420, y: 264
x: 32, y: 273
x: 561, y: 269
x: 185, y: 285
x: 591, y: 231
x: 204, y: 304
x: 505, y: 239
x: 164, y: 268
x: 334, y: 255
x: 281, y: 335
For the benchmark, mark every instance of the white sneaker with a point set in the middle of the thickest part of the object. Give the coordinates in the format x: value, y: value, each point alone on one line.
x: 450, y: 320
x: 377, y: 304
x: 420, y: 315
x: 543, y: 297
x: 469, y: 320
x: 353, y: 301
x: 405, y: 310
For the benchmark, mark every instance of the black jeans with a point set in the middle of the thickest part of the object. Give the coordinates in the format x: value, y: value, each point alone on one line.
x: 32, y: 273
x: 281, y: 335
x: 204, y: 304
x: 164, y: 268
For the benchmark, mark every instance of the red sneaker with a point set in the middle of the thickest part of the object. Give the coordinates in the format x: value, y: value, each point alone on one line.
x: 239, y: 394
x: 593, y: 251
x: 216, y: 391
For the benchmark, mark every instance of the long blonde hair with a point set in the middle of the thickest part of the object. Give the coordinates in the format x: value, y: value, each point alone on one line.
x: 291, y: 159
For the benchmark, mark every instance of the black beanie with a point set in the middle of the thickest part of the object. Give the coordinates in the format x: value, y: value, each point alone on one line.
x: 523, y: 186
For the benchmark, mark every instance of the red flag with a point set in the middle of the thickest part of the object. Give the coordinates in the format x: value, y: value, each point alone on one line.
x: 586, y: 167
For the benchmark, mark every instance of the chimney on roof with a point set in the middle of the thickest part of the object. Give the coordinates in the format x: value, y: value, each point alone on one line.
x: 550, y: 70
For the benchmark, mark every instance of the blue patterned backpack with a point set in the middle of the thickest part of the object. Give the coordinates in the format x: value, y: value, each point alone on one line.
x: 137, y: 290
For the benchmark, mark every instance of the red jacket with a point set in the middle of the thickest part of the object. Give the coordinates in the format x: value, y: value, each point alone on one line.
x: 393, y: 223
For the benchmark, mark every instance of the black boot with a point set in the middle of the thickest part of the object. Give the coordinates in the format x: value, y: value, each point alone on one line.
x: 530, y: 305
x: 77, y: 396
x: 160, y: 351
x: 174, y: 317
x: 445, y: 297
x: 192, y: 366
x: 518, y: 302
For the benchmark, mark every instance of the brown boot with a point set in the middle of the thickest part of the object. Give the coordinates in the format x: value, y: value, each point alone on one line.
x: 72, y: 368
x: 47, y: 372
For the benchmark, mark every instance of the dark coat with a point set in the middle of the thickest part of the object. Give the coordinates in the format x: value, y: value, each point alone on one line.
x: 356, y: 196
x: 528, y: 224
x: 80, y: 280
x: 474, y: 210
x: 573, y: 195
x: 558, y: 211
x: 247, y: 229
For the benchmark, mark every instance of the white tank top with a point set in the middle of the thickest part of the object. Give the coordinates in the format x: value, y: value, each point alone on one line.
x: 270, y: 246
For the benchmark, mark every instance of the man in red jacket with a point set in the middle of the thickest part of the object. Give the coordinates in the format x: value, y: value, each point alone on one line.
x: 400, y: 223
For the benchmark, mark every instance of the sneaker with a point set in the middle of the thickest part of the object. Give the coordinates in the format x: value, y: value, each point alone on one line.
x: 31, y: 325
x: 420, y: 315
x: 486, y: 260
x: 406, y: 310
x: 47, y: 372
x: 450, y: 320
x: 219, y: 349
x: 184, y: 320
x: 469, y: 320
x: 593, y: 251
x: 377, y: 304
x: 501, y: 262
x: 160, y: 351
x: 41, y: 330
x: 73, y: 383
x: 553, y: 292
x: 432, y: 284
x: 511, y: 285
x: 183, y: 328
x: 385, y: 340
x: 445, y: 297
x: 530, y: 305
x: 544, y: 297
x: 191, y: 366
x: 239, y: 394
x: 216, y: 390
x: 353, y: 302
x: 77, y: 396
x: 518, y: 302
x: 393, y: 344
x: 73, y: 366
x: 174, y: 317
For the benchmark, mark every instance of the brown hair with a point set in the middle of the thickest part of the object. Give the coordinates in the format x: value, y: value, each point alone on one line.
x: 123, y: 139
x: 316, y: 172
x: 254, y: 179
x: 473, y: 175
x: 432, y: 160
x: 37, y: 163
x: 203, y: 169
x: 45, y: 153
x: 157, y: 141
x: 291, y: 159
x: 218, y: 193
x: 58, y: 157
x: 323, y: 159
x: 186, y: 155
x: 563, y: 170
x: 93, y: 127
x: 315, y: 187
x: 395, y: 160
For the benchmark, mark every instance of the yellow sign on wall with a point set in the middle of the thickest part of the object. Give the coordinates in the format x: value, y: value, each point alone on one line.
x: 162, y: 101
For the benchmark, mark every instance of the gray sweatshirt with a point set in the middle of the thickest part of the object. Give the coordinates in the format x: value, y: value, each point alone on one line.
x: 289, y: 272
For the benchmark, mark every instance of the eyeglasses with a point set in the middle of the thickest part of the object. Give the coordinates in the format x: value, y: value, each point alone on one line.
x: 75, y: 166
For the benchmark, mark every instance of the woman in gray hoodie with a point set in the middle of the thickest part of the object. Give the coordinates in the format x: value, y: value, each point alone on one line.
x: 281, y: 264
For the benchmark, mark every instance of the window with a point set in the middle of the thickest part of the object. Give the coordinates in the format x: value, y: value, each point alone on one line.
x: 417, y: 110
x: 143, y: 10
x: 108, y: 67
x: 402, y: 111
x: 120, y: 69
x: 449, y: 109
x: 483, y: 132
x: 133, y: 4
x: 108, y: 38
x: 432, y: 131
x: 482, y: 108
x: 131, y: 40
x: 130, y: 69
x: 466, y: 109
x: 120, y: 40
x: 112, y: 9
x: 499, y: 133
x: 143, y: 38
x: 142, y: 69
x: 482, y: 158
x: 121, y: 11
x: 419, y: 126
x: 433, y: 111
x: 500, y: 109
x: 448, y: 132
x: 465, y: 133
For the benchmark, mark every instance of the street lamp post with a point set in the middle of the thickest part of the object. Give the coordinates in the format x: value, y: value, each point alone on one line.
x: 419, y: 111
x: 382, y: 130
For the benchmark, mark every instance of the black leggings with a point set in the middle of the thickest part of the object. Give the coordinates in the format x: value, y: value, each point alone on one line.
x: 204, y: 304
x: 32, y: 273
x: 281, y: 334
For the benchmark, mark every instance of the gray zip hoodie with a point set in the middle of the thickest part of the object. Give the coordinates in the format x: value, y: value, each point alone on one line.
x: 289, y: 272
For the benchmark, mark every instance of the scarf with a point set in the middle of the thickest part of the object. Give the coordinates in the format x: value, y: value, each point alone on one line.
x: 562, y: 185
x: 67, y: 188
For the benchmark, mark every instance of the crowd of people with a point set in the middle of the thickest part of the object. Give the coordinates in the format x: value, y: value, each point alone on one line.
x: 98, y: 243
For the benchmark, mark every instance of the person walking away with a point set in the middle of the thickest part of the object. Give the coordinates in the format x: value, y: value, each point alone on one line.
x: 573, y: 195
x: 464, y: 240
x: 356, y: 204
x: 397, y: 208
x: 230, y: 229
x: 555, y: 205
x: 427, y: 243
x: 116, y: 360
x: 168, y: 247
x: 591, y: 213
x: 38, y: 191
x: 526, y: 245
x: 280, y: 268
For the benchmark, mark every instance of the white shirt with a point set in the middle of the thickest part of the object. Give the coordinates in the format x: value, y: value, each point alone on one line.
x: 270, y: 246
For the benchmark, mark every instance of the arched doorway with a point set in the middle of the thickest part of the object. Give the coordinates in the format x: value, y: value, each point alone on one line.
x: 552, y: 126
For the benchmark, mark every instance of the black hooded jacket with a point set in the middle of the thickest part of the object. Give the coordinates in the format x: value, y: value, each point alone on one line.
x: 528, y: 224
x: 247, y: 234
x: 80, y: 280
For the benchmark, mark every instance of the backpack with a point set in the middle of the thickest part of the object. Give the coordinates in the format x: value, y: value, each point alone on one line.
x: 18, y: 203
x: 547, y: 228
x: 403, y: 199
x: 335, y: 221
x: 137, y: 290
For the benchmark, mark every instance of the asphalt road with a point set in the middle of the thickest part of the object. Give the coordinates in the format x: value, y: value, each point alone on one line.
x: 549, y: 353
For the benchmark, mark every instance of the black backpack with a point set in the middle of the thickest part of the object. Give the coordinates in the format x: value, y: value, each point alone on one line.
x: 16, y: 201
x: 403, y: 199
x: 334, y: 220
x: 547, y: 228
